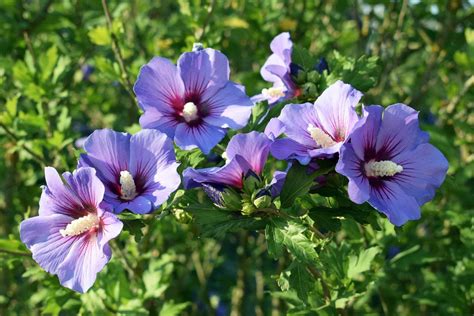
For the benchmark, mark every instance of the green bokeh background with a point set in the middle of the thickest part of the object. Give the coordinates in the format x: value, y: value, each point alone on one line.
x: 60, y: 79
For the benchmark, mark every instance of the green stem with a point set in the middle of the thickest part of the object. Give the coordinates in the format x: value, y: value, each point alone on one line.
x: 125, y: 80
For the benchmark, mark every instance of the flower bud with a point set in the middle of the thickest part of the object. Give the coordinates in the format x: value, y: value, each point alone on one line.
x: 248, y: 208
x: 263, y: 201
x: 313, y: 76
x: 231, y: 199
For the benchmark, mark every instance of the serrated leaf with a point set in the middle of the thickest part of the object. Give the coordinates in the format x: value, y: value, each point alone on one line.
x: 47, y: 62
x: 217, y: 223
x: 171, y: 309
x: 100, y: 36
x: 13, y: 246
x: 61, y: 65
x: 274, y: 248
x: 301, y: 281
x: 291, y: 235
x: 11, y: 105
x: 297, y: 183
x: 302, y: 57
x: 361, y: 263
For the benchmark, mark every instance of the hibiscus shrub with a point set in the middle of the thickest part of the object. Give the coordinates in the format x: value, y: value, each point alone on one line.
x: 179, y: 180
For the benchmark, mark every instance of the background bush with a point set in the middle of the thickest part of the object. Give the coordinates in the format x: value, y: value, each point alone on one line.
x: 61, y: 78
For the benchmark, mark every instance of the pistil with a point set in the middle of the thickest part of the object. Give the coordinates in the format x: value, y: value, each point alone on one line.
x: 127, y: 186
x: 320, y: 136
x: 80, y: 225
x: 383, y: 168
x: 190, y: 112
x: 273, y: 92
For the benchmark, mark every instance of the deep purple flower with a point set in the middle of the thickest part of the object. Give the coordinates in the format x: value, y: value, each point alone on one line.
x: 315, y: 130
x: 245, y: 154
x: 193, y: 103
x: 70, y: 236
x: 390, y: 163
x: 138, y: 171
x: 277, y: 70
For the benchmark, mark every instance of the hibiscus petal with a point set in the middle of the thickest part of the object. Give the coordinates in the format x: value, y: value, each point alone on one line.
x: 297, y: 118
x: 364, y: 133
x: 202, y: 70
x: 228, y: 106
x: 159, y: 86
x: 108, y: 152
x: 204, y: 136
x: 86, y: 185
x: 84, y: 260
x: 349, y: 165
x: 424, y: 170
x: 282, y: 46
x: 253, y: 147
x: 57, y: 198
x: 230, y: 174
x: 335, y: 108
x: 154, y: 119
x: 390, y: 199
x: 41, y: 235
x: 274, y: 128
x: 285, y: 148
x: 399, y: 131
x: 139, y: 205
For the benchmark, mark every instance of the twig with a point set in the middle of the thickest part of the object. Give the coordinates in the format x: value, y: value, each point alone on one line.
x: 207, y: 20
x: 455, y: 101
x: 15, y: 138
x: 127, y: 84
x: 16, y: 253
x: 317, y: 275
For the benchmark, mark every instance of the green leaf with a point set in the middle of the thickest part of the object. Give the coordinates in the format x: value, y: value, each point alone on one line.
x: 157, y: 277
x: 291, y: 235
x: 297, y: 183
x: 217, y: 223
x: 47, y: 62
x: 100, y: 36
x: 275, y: 249
x: 301, y: 281
x: 361, y: 263
x: 361, y: 73
x: 63, y: 62
x: 134, y: 226
x: 171, y: 309
x: 302, y: 57
x: 11, y: 105
x: 13, y: 246
x: 64, y: 120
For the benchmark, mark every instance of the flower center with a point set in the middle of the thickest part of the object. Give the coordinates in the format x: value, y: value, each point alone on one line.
x: 384, y: 168
x: 273, y: 92
x: 127, y: 186
x: 80, y: 225
x: 320, y: 137
x: 190, y: 112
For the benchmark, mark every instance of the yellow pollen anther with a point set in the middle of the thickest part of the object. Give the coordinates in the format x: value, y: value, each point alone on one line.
x: 80, y: 225
x: 320, y: 137
x: 273, y: 92
x: 190, y: 112
x: 127, y: 186
x: 384, y: 168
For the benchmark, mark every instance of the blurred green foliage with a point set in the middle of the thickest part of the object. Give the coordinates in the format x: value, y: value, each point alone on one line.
x: 66, y: 70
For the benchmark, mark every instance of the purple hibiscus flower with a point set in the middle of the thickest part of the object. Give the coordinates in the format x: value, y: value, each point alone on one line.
x: 390, y: 163
x: 315, y: 130
x: 138, y: 171
x: 193, y: 103
x: 70, y: 236
x: 246, y: 154
x: 277, y: 70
